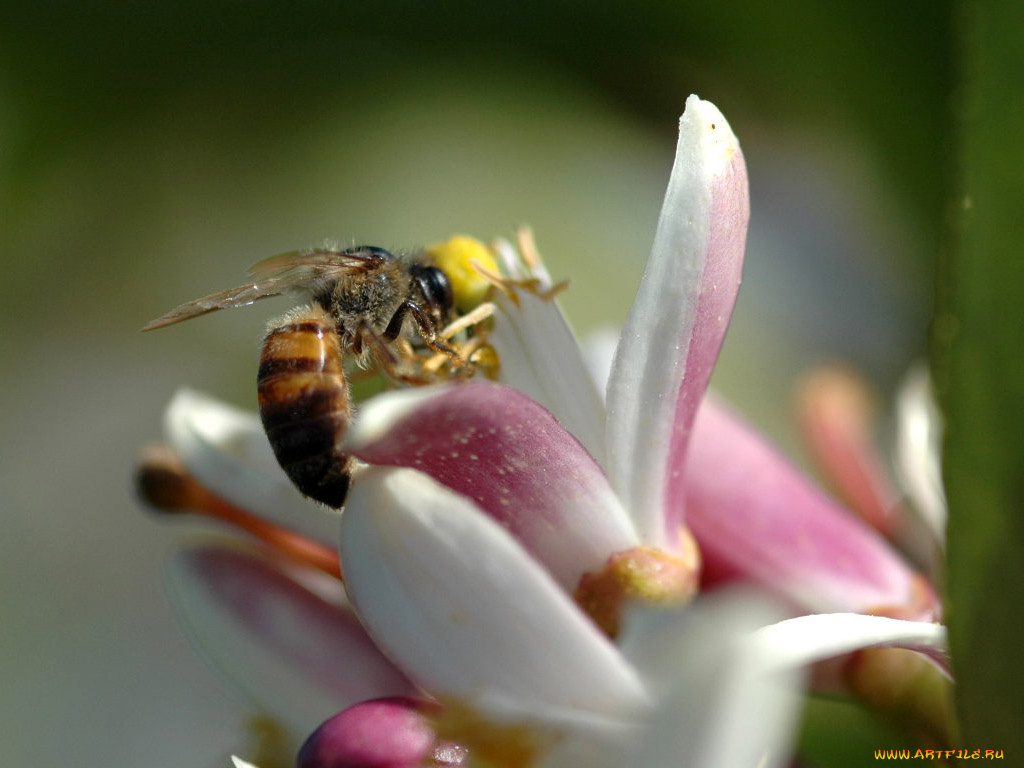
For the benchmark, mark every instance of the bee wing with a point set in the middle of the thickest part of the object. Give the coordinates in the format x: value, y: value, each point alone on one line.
x: 241, y: 296
x: 307, y: 266
x: 279, y: 274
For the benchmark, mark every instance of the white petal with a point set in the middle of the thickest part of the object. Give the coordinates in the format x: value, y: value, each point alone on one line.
x: 458, y: 604
x: 724, y: 701
x: 227, y: 451
x: 599, y: 353
x: 672, y: 335
x: 540, y: 357
x: 240, y: 763
x: 284, y: 647
x: 918, y: 446
x: 808, y: 639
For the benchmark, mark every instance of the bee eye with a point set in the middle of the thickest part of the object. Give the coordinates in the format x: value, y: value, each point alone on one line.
x: 373, y: 250
x: 437, y: 289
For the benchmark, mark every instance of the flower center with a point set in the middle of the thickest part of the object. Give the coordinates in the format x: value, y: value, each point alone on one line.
x: 641, y: 574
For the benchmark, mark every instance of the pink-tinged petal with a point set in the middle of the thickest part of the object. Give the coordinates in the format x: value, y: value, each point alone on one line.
x: 282, y: 645
x: 757, y: 518
x: 458, y: 604
x: 673, y: 333
x: 382, y: 733
x: 226, y: 450
x: 837, y: 417
x: 808, y: 639
x: 512, y: 458
x: 838, y: 420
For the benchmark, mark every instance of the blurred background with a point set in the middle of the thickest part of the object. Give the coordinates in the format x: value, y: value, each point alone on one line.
x: 150, y: 152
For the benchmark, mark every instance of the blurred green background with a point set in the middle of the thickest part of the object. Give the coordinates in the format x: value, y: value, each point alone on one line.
x: 150, y: 152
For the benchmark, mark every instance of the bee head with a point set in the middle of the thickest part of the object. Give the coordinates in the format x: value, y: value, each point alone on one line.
x: 435, y: 287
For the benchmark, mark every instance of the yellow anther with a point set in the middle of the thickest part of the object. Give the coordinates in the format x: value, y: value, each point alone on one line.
x: 486, y: 360
x: 454, y: 257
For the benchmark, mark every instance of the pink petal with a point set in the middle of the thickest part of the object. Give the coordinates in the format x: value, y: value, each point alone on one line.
x: 513, y: 459
x: 672, y: 336
x: 837, y: 417
x: 287, y: 648
x: 757, y: 518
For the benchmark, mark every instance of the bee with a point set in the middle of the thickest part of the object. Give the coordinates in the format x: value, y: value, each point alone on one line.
x: 365, y: 303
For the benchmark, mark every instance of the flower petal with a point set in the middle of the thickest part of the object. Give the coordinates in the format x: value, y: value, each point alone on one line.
x: 837, y: 418
x: 540, y: 357
x: 599, y: 352
x: 918, y: 448
x: 285, y: 647
x: 808, y: 639
x: 499, y: 448
x: 724, y: 699
x: 226, y: 450
x: 461, y: 607
x: 757, y: 518
x: 673, y: 333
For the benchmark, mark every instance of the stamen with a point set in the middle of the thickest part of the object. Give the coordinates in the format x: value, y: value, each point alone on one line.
x: 553, y: 291
x: 532, y: 286
x: 528, y: 248
x: 163, y: 482
x: 468, y: 320
x: 504, y: 284
x: 531, y: 258
x: 486, y: 359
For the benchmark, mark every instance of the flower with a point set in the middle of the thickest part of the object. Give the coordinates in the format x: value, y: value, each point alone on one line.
x: 481, y: 513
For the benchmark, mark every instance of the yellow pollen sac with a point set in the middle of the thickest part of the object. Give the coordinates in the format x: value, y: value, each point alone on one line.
x: 486, y: 360
x: 642, y: 574
x: 455, y: 258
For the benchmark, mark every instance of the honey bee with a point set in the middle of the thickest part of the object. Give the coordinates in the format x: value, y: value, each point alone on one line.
x: 365, y: 303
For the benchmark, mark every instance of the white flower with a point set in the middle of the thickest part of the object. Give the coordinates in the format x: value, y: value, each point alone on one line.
x: 463, y: 543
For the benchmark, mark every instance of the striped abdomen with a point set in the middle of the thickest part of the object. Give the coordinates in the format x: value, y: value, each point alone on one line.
x: 304, y: 403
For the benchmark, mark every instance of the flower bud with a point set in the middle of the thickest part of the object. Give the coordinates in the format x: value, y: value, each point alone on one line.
x: 381, y: 733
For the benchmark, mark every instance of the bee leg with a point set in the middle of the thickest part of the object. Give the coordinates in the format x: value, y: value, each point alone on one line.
x: 428, y: 330
x: 394, y: 329
x: 385, y: 358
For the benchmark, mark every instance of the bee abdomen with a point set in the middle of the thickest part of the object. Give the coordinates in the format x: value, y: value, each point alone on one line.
x: 304, y: 403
